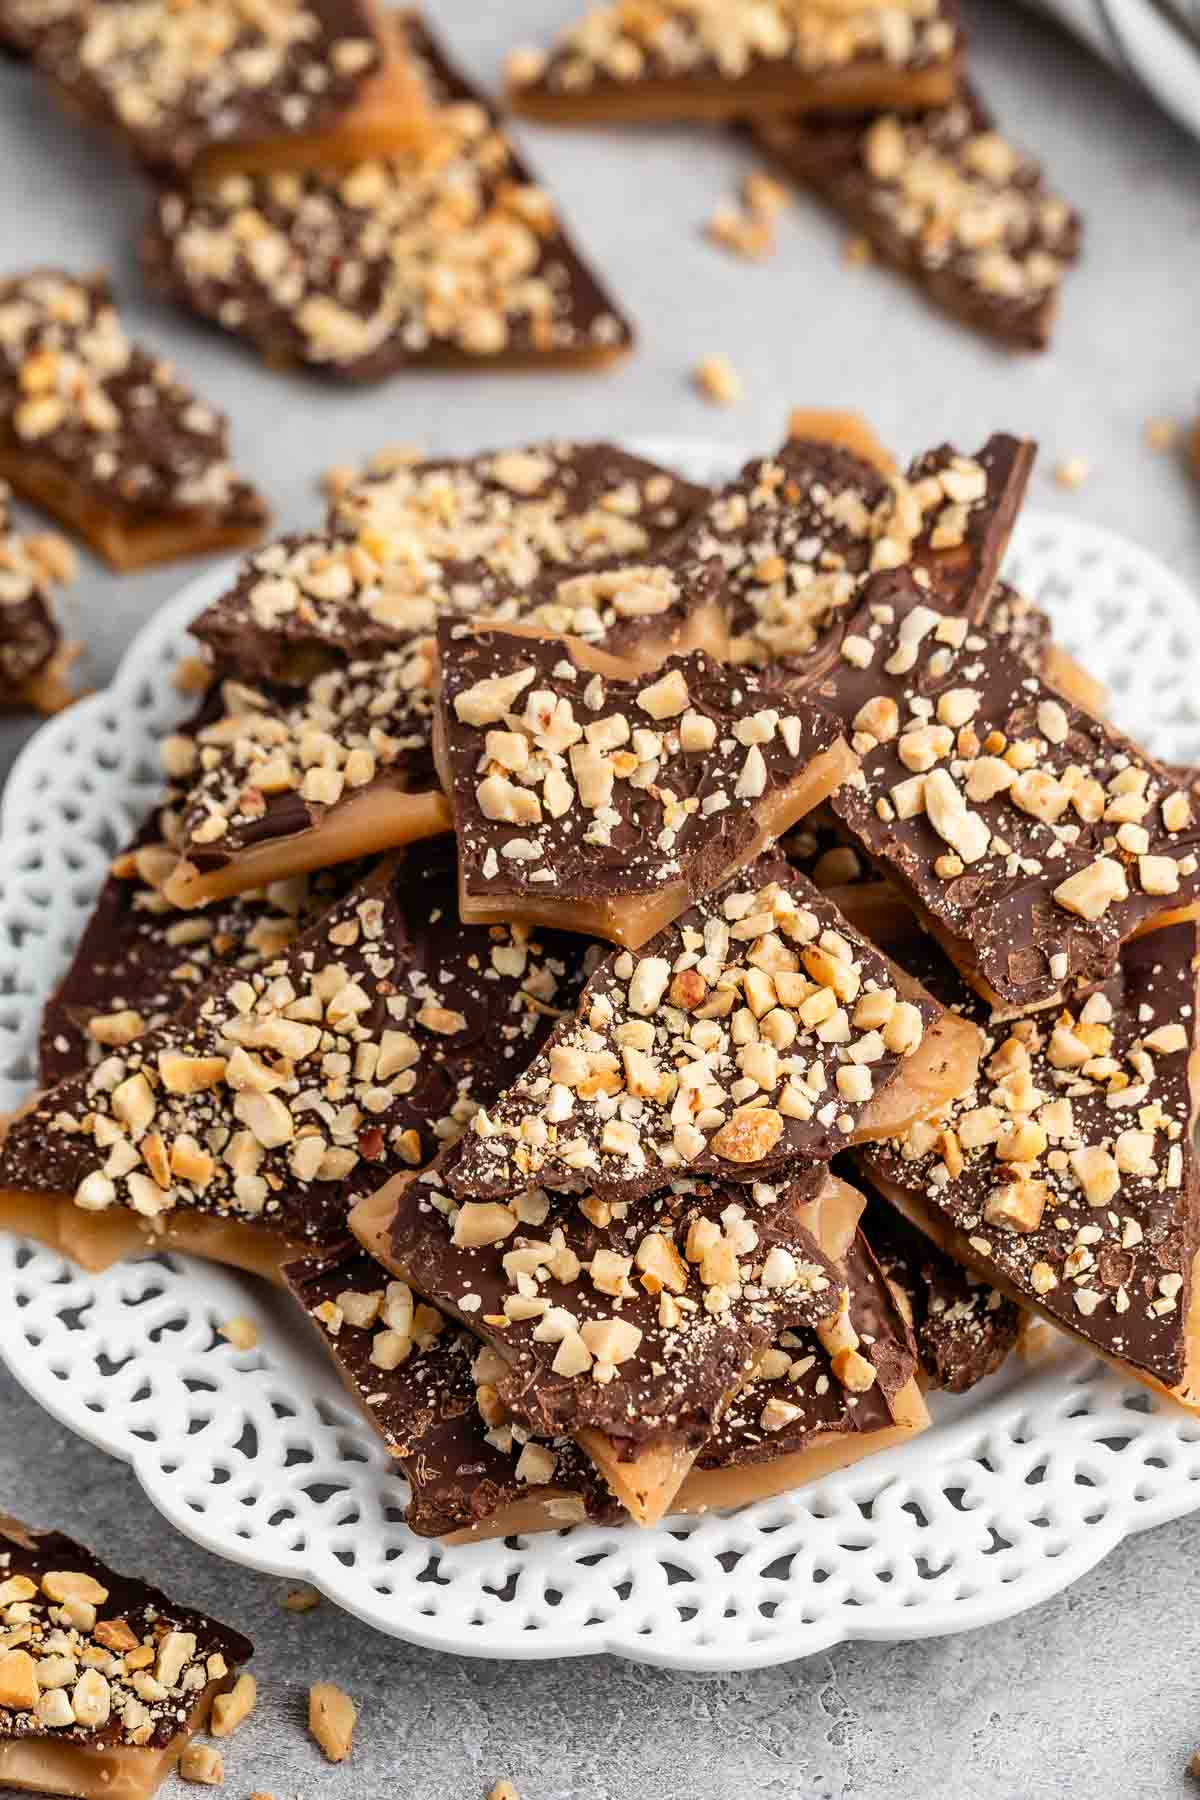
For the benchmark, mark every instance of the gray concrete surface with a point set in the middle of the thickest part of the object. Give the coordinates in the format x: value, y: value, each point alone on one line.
x: 1093, y: 1694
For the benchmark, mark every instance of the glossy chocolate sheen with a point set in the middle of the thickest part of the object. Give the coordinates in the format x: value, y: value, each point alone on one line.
x: 512, y: 1146
x: 797, y: 533
x: 125, y: 85
x: 676, y: 1381
x: 331, y: 223
x: 113, y: 418
x: 1098, y: 1267
x: 997, y: 912
x: 147, y: 1613
x: 139, y: 954
x: 464, y: 537
x: 457, y: 1010
x: 1000, y: 273
x: 964, y: 1328
x: 826, y: 1408
x: 669, y: 812
x: 459, y: 1471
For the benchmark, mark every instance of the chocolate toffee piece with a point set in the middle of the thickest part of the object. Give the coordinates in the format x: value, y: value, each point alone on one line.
x: 1067, y: 1177
x: 103, y: 1679
x: 798, y: 533
x: 35, y: 661
x: 171, y: 81
x: 818, y: 1398
x: 728, y: 59
x: 448, y: 253
x: 630, y: 1326
x: 393, y: 108
x: 964, y: 1327
x: 247, y: 1126
x: 412, y: 541
x: 277, y: 785
x: 1029, y: 837
x: 429, y: 1389
x: 579, y: 796
x: 105, y: 436
x: 948, y: 200
x: 140, y: 960
x: 756, y: 1033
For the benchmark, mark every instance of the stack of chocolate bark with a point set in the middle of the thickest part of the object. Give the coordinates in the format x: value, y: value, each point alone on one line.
x: 326, y: 185
x: 661, y: 976
x: 865, y: 103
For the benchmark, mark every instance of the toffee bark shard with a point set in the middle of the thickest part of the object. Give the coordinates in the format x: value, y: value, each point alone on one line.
x: 1031, y: 838
x: 964, y: 1327
x: 428, y: 1388
x: 1067, y: 1177
x: 798, y: 533
x: 819, y: 1398
x: 139, y: 960
x: 581, y: 796
x: 740, y: 59
x: 35, y: 660
x: 410, y: 541
x: 171, y: 83
x: 432, y: 1391
x: 103, y: 1679
x: 106, y: 436
x: 247, y: 1126
x: 629, y: 1327
x: 273, y: 784
x: 448, y: 253
x: 756, y: 1034
x: 948, y: 200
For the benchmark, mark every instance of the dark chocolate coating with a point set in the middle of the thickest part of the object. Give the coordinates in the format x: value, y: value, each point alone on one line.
x: 964, y: 1328
x: 579, y: 856
x: 146, y: 1610
x: 490, y: 1165
x: 406, y: 949
x: 216, y: 105
x: 1147, y: 1231
x: 998, y: 915
x: 677, y: 1382
x: 826, y: 1407
x: 426, y: 1412
x: 828, y: 155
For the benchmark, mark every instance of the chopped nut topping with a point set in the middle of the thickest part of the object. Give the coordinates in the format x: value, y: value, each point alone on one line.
x: 332, y: 1716
x: 1070, y: 1169
x: 726, y: 1041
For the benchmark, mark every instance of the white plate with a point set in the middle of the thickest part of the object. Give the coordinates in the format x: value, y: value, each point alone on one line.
x: 1017, y: 1489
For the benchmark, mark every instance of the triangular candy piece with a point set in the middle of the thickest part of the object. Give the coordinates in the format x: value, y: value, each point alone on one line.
x: 425, y: 1385
x: 447, y: 253
x: 609, y: 804
x: 409, y: 542
x: 630, y: 1328
x: 104, y: 1679
x: 1031, y: 838
x: 756, y: 1034
x: 246, y: 1127
x: 171, y: 83
x: 106, y: 436
x: 1067, y: 1176
x: 944, y: 197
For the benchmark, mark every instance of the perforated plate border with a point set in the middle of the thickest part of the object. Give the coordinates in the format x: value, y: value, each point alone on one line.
x: 1017, y: 1490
